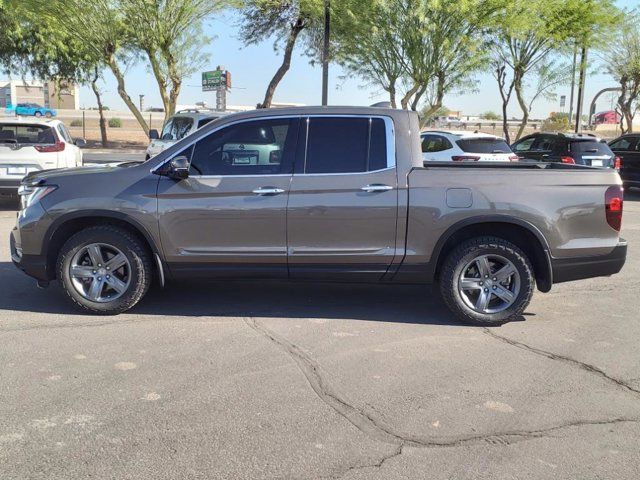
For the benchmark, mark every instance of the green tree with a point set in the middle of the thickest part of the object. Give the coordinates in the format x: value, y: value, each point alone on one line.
x: 31, y: 44
x: 530, y: 32
x: 286, y: 21
x: 170, y: 34
x: 426, y: 48
x: 490, y: 115
x: 622, y: 61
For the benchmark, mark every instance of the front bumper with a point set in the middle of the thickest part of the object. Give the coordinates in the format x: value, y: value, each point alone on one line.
x: 578, y: 268
x: 33, y: 265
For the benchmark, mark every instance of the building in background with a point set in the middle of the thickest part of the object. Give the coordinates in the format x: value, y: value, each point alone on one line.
x: 47, y: 94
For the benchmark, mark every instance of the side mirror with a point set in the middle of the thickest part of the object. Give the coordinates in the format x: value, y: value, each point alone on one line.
x: 178, y: 168
x: 80, y: 142
x: 153, y: 134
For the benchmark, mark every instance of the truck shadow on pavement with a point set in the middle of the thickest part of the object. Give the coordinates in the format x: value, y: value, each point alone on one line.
x: 274, y: 299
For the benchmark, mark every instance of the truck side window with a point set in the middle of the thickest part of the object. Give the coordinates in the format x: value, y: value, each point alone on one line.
x: 377, y: 145
x: 260, y: 147
x: 346, y: 145
x: 337, y: 145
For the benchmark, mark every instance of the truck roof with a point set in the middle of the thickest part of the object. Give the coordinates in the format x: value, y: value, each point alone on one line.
x: 318, y: 110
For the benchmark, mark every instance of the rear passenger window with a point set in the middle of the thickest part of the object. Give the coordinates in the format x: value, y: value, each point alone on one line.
x: 345, y: 145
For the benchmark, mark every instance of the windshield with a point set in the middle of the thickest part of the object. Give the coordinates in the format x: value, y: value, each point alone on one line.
x: 484, y: 145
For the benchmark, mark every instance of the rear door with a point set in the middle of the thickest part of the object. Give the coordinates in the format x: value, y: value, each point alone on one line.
x: 343, y: 202
x: 229, y: 217
x: 627, y: 149
x: 591, y: 152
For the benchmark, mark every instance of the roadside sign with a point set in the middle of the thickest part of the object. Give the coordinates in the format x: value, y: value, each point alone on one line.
x: 563, y: 100
x: 215, y: 79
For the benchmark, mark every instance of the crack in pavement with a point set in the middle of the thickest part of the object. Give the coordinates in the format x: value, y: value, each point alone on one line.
x: 378, y: 430
x: 395, y: 453
x: 563, y: 358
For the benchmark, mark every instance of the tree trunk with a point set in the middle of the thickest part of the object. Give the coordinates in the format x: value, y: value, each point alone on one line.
x: 522, y: 103
x: 505, y: 94
x: 392, y: 94
x: 417, y: 97
x: 286, y: 63
x: 115, y: 68
x: 176, y: 81
x: 404, y: 102
x: 103, y: 121
x: 163, y: 83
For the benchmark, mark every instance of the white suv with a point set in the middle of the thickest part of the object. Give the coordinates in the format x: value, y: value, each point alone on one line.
x: 29, y: 144
x: 178, y: 126
x: 461, y: 146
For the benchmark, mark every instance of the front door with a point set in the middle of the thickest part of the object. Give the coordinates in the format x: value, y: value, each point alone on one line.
x: 343, y: 202
x: 229, y: 217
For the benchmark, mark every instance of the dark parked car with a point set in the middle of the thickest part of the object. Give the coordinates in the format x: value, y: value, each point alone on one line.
x: 627, y: 147
x: 581, y: 149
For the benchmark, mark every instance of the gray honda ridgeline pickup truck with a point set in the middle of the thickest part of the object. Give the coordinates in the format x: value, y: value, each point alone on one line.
x: 337, y: 194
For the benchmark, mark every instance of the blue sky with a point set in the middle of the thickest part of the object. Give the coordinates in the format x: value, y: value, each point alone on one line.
x: 252, y: 67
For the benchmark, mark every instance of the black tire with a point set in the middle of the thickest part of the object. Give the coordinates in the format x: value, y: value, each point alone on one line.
x: 48, y: 115
x: 130, y: 245
x: 38, y: 114
x: 460, y: 257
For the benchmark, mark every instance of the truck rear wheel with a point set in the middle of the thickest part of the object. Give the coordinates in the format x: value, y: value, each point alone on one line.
x: 487, y: 281
x: 104, y: 269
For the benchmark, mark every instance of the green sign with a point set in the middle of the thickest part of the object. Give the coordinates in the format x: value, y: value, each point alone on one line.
x: 213, y: 80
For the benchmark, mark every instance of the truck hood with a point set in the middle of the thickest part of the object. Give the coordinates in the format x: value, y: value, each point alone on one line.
x: 50, y: 176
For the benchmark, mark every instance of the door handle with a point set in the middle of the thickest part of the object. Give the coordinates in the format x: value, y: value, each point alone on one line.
x: 268, y: 191
x: 376, y: 187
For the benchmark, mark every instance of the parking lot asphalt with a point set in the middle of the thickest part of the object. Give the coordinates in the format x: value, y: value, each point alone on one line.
x: 276, y: 380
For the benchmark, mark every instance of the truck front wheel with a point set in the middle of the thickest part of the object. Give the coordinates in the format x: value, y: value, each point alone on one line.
x: 487, y: 281
x: 104, y: 269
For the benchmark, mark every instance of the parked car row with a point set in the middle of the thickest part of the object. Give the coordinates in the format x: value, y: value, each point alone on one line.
x: 622, y: 154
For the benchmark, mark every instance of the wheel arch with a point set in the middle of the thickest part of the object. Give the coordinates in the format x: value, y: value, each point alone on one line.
x: 519, y: 232
x: 67, y: 225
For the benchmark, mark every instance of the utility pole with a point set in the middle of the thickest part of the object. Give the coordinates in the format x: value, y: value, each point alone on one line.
x: 583, y: 68
x: 325, y: 55
x: 573, y: 82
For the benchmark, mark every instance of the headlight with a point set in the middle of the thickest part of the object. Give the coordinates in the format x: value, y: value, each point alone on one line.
x: 30, y: 195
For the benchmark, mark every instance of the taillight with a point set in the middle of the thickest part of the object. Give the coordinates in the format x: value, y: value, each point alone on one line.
x: 514, y: 158
x: 568, y: 160
x: 465, y: 158
x: 617, y: 163
x: 613, y: 206
x: 56, y: 147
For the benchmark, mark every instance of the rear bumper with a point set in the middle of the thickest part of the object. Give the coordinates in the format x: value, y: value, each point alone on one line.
x: 578, y: 268
x: 9, y: 186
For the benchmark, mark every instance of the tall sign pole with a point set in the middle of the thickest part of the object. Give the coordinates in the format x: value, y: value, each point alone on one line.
x: 325, y: 55
x: 579, y: 107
